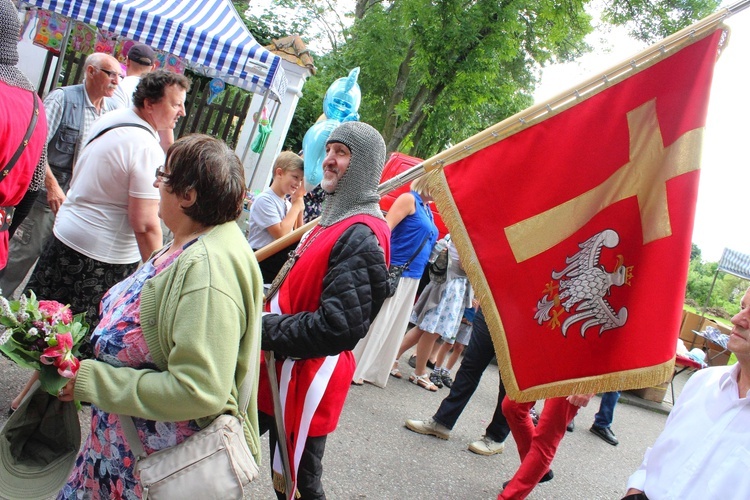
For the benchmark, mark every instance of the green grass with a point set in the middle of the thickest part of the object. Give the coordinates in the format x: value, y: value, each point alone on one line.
x: 709, y: 316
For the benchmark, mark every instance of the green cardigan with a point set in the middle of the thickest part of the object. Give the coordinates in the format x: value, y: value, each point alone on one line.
x: 201, y: 318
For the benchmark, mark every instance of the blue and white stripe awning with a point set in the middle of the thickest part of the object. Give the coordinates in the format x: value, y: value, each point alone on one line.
x: 208, y: 34
x: 735, y: 263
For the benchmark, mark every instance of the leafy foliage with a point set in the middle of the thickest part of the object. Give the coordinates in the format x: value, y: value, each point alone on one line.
x: 434, y: 72
x: 727, y: 289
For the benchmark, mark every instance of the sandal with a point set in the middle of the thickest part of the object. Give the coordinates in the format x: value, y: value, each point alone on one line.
x: 395, y: 372
x: 423, y: 381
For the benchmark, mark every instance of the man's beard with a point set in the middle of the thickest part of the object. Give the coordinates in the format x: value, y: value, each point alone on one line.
x: 329, y: 185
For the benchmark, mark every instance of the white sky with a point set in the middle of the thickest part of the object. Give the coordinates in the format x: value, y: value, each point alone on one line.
x: 725, y: 176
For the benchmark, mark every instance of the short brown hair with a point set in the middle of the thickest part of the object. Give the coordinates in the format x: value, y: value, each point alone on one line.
x: 153, y: 84
x: 207, y: 165
x: 287, y: 161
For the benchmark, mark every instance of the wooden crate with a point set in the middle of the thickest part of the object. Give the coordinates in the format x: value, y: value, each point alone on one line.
x: 655, y: 393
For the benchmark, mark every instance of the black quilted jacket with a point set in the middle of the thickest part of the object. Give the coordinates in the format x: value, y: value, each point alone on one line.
x: 354, y: 289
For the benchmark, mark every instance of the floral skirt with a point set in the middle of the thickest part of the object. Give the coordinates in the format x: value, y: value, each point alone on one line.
x: 444, y: 318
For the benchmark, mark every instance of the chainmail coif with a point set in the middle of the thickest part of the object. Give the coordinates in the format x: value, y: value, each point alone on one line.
x: 357, y: 190
x: 9, y: 31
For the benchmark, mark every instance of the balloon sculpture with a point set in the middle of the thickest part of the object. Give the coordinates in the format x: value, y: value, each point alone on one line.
x: 340, y: 104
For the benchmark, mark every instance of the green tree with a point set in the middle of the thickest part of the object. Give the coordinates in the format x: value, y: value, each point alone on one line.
x: 434, y: 72
x: 695, y: 252
x: 723, y: 299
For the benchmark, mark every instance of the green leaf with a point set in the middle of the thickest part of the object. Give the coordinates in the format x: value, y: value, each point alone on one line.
x: 50, y: 380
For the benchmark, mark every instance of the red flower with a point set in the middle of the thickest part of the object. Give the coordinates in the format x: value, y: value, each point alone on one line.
x: 54, y: 312
x: 61, y: 356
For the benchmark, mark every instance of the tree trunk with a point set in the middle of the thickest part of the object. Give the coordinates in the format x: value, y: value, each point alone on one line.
x: 362, y: 6
x: 391, y: 118
x: 425, y: 97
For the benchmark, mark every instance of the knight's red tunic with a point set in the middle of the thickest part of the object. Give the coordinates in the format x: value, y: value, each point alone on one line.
x: 313, y: 391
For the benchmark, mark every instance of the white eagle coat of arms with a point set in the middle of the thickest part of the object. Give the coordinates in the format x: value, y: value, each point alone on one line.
x: 583, y: 286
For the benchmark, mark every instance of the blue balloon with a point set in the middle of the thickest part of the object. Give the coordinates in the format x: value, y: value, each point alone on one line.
x: 314, y: 149
x: 340, y: 104
x: 343, y: 97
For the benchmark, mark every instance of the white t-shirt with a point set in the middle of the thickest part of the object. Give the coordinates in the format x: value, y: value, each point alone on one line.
x: 123, y: 95
x: 267, y: 209
x: 120, y: 163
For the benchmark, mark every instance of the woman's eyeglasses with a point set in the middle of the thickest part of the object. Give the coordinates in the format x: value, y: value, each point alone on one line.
x: 162, y: 175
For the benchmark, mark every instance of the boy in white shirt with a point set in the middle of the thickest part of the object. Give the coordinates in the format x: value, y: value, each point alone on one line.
x: 272, y: 215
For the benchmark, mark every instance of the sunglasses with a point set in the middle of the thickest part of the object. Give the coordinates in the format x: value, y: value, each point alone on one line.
x: 162, y: 175
x: 111, y: 74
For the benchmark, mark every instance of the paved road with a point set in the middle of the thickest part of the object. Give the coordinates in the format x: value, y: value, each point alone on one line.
x: 373, y: 456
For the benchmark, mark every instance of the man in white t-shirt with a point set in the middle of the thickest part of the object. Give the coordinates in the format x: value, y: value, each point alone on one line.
x: 141, y: 59
x: 109, y: 222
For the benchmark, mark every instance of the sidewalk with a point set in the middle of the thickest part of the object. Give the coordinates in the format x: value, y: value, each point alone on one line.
x: 373, y: 456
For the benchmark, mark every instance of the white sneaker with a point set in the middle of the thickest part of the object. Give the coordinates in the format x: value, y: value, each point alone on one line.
x: 428, y: 427
x: 486, y: 446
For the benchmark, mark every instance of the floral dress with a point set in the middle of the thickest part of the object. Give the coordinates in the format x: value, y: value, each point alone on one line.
x: 104, y: 468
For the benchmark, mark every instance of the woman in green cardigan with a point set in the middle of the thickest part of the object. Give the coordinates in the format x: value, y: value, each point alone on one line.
x: 176, y: 338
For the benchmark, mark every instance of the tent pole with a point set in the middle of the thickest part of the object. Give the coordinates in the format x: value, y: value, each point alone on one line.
x: 703, y: 309
x: 256, y: 123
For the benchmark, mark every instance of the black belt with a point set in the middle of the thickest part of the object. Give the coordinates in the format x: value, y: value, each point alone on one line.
x: 6, y: 217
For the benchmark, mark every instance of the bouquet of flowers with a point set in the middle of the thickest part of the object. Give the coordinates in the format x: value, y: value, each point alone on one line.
x: 43, y: 335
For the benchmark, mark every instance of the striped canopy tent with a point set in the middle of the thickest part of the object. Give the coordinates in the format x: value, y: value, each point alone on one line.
x: 732, y: 262
x: 208, y: 34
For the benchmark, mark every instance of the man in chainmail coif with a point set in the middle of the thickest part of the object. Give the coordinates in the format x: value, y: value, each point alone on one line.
x: 23, y: 127
x: 325, y: 304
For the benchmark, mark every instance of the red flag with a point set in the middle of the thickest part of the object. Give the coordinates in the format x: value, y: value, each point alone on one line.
x: 576, y: 230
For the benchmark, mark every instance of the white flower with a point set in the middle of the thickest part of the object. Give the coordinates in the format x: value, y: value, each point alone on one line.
x: 22, y: 303
x: 5, y: 308
x: 33, y: 332
x: 22, y: 316
x: 5, y: 335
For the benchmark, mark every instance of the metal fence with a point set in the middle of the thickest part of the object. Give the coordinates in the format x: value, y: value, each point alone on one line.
x: 223, y: 118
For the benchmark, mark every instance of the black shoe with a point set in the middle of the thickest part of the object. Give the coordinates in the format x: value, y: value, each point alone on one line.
x: 606, y: 434
x: 445, y: 376
x: 547, y: 477
x: 436, y: 379
x: 413, y: 362
x: 571, y: 426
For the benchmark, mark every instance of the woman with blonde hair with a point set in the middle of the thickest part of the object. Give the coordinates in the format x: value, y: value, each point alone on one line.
x: 413, y: 234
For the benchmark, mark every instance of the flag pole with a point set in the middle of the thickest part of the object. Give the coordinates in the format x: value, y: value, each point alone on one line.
x: 534, y: 114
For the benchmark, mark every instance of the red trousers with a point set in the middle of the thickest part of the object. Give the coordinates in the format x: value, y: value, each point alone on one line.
x: 536, y: 445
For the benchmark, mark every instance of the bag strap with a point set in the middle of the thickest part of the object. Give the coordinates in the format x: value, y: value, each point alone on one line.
x: 104, y: 131
x: 29, y: 132
x: 131, y: 434
x: 406, y: 265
